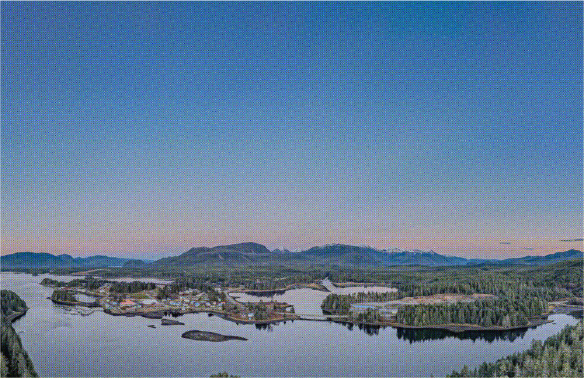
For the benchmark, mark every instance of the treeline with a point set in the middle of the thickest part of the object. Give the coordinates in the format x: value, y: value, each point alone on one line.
x: 551, y: 282
x: 53, y: 283
x: 566, y: 274
x: 369, y: 275
x: 341, y: 303
x: 558, y: 356
x: 259, y: 310
x: 131, y: 287
x: 257, y: 277
x: 370, y: 315
x: 484, y: 284
x: 14, y: 361
x: 185, y: 283
x: 11, y: 303
x: 485, y: 313
x: 64, y: 296
x: 89, y: 283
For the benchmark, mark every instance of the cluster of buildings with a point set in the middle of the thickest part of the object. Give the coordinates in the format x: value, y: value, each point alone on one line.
x: 190, y: 300
x: 186, y: 301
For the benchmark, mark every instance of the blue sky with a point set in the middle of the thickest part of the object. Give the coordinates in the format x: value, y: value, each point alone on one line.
x: 143, y: 129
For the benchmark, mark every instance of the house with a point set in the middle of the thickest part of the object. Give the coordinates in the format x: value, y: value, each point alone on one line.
x: 388, y: 311
x: 127, y: 303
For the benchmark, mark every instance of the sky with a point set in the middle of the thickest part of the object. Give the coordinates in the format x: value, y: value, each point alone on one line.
x: 145, y: 129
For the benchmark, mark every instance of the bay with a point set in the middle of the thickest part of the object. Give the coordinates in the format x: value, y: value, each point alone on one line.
x: 63, y: 343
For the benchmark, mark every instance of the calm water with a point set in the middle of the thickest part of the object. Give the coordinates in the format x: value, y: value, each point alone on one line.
x: 63, y: 343
x: 307, y: 301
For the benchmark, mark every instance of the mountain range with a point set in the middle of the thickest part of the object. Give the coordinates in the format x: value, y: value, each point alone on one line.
x: 432, y: 258
x: 254, y: 253
x: 37, y: 260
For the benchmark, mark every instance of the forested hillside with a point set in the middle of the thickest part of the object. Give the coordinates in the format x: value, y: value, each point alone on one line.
x: 549, y: 282
x: 558, y: 356
x: 11, y: 303
x: 14, y: 360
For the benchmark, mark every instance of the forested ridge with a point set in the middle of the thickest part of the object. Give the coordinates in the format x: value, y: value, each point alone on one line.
x: 14, y: 359
x: 551, y: 282
x: 558, y: 356
x: 487, y: 284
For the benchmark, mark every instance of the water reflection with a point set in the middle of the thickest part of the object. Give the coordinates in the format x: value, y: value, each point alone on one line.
x: 63, y: 344
x: 419, y: 335
x: 265, y: 327
x: 371, y: 330
x: 264, y: 294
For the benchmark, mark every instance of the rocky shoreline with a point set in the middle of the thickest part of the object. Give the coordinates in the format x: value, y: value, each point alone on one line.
x: 15, y: 316
x: 76, y: 303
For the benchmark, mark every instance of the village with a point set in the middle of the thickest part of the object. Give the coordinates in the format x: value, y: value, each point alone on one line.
x: 155, y: 302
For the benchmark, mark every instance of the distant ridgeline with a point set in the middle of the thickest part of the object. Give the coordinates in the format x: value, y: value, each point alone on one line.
x: 15, y: 361
x: 254, y: 253
x: 36, y: 260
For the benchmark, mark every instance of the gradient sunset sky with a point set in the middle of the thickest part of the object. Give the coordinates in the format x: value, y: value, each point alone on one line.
x: 144, y: 129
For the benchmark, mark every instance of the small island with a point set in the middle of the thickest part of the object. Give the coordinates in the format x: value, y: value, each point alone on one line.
x: 166, y: 322
x: 209, y: 336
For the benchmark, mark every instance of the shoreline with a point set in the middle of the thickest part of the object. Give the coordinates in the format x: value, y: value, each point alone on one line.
x: 15, y: 316
x: 77, y: 303
x: 343, y: 285
x: 458, y: 328
x: 159, y: 314
x: 261, y: 322
x: 279, y: 291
